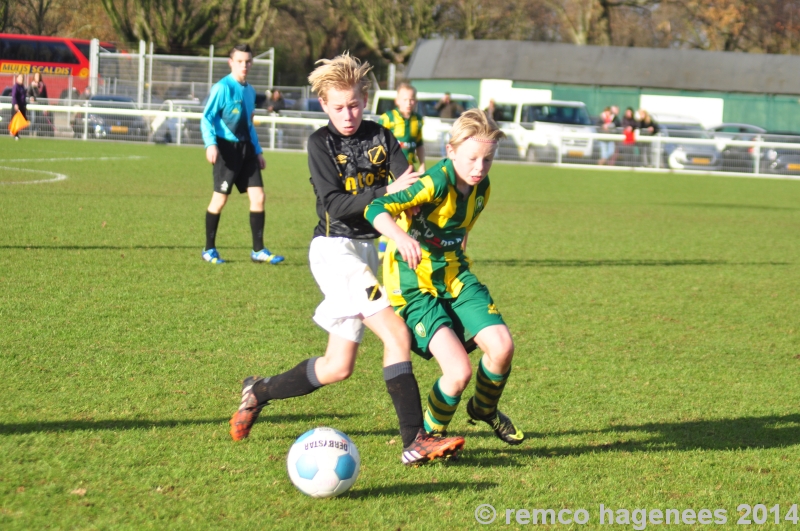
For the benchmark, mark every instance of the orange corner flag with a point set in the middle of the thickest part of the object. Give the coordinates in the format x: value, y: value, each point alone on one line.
x: 17, y: 124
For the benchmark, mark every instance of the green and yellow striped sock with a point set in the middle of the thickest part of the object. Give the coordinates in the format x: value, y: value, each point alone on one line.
x: 441, y: 408
x: 488, y: 389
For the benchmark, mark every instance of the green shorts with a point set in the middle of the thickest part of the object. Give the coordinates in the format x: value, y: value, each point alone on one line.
x: 469, y: 313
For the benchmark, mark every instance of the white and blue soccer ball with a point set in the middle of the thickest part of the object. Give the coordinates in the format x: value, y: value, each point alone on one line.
x: 323, y: 462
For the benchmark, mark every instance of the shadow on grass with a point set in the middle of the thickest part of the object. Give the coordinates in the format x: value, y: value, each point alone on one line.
x: 727, y: 205
x: 413, y: 489
x: 778, y: 431
x: 622, y: 263
x: 147, y: 424
x: 126, y: 247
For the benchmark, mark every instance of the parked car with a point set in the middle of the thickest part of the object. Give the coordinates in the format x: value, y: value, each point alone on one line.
x: 111, y: 126
x: 722, y: 133
x: 165, y: 130
x: 781, y: 160
x: 679, y: 155
x: 536, y: 130
x: 729, y: 130
x: 435, y: 130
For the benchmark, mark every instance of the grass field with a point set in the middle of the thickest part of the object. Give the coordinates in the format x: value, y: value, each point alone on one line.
x: 656, y: 317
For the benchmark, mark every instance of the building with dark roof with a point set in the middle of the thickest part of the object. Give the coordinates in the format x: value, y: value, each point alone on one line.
x: 761, y: 89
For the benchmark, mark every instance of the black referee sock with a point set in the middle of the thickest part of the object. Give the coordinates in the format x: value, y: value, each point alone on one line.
x: 212, y: 222
x: 403, y: 388
x: 257, y: 228
x: 299, y: 381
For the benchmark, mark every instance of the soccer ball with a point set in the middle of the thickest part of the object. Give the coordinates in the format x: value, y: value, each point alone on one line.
x: 323, y: 462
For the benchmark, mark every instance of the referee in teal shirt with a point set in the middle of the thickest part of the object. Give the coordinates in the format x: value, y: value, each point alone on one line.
x: 232, y: 147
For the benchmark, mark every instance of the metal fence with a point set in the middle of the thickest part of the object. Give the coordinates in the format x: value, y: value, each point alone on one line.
x: 149, y: 77
x: 175, y: 122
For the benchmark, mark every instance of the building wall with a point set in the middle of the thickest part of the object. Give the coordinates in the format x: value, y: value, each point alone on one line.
x: 774, y: 113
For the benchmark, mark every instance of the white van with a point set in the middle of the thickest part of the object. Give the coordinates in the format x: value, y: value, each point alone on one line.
x: 435, y: 130
x: 537, y: 129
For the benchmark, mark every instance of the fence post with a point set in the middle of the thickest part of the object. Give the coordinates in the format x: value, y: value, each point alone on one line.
x: 757, y: 156
x: 210, y: 67
x: 272, y: 133
x: 559, y: 145
x: 180, y: 124
x: 86, y: 120
x: 94, y: 64
x: 658, y: 152
x: 150, y: 77
x: 140, y: 86
x: 69, y: 100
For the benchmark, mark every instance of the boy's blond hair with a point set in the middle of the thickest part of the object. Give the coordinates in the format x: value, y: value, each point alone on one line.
x: 342, y: 72
x: 407, y: 86
x: 474, y: 124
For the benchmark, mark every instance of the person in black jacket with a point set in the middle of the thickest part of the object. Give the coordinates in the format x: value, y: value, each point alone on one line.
x: 351, y: 161
x: 37, y: 91
x: 647, y: 127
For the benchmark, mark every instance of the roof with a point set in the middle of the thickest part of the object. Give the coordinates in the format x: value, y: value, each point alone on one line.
x: 663, y: 68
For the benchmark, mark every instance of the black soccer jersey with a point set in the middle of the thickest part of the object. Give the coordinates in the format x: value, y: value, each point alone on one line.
x: 348, y: 172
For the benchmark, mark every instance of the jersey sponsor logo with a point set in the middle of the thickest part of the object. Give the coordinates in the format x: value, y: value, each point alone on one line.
x: 374, y: 292
x: 420, y: 329
x: 438, y: 242
x: 492, y: 308
x: 341, y: 158
x: 354, y: 184
x: 377, y: 155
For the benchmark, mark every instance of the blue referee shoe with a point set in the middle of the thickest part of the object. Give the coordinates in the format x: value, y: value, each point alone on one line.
x: 212, y: 256
x: 265, y: 256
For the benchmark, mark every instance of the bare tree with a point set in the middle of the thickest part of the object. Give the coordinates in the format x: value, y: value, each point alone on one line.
x: 388, y: 28
x: 188, y: 24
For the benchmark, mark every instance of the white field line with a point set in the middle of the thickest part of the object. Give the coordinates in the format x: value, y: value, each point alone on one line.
x: 57, y: 176
x: 75, y: 159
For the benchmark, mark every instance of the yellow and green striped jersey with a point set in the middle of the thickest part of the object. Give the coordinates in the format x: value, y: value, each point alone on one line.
x: 407, y: 131
x: 444, y: 219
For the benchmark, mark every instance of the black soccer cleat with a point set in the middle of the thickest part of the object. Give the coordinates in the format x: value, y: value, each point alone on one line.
x: 502, y: 425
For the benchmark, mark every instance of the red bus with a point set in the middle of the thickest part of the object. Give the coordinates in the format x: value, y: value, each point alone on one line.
x: 56, y: 58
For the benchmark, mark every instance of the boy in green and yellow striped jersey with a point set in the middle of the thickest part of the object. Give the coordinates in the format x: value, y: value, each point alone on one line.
x: 406, y: 126
x: 430, y: 285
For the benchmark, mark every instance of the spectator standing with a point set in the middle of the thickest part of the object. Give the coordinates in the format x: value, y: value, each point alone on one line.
x: 493, y: 112
x: 606, y: 125
x: 647, y: 127
x: 19, y: 98
x: 626, y: 149
x: 276, y: 102
x: 37, y: 91
x: 447, y: 108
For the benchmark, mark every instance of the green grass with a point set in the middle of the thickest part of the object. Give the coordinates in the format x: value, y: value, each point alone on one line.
x: 655, y: 316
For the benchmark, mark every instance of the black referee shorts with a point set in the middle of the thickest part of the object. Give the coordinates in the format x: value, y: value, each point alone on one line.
x: 237, y: 164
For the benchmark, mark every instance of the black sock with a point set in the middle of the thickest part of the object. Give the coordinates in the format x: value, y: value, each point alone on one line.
x: 299, y: 381
x: 212, y: 222
x: 257, y: 228
x: 403, y: 388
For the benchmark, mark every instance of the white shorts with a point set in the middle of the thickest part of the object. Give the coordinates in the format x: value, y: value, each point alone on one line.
x: 345, y: 272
